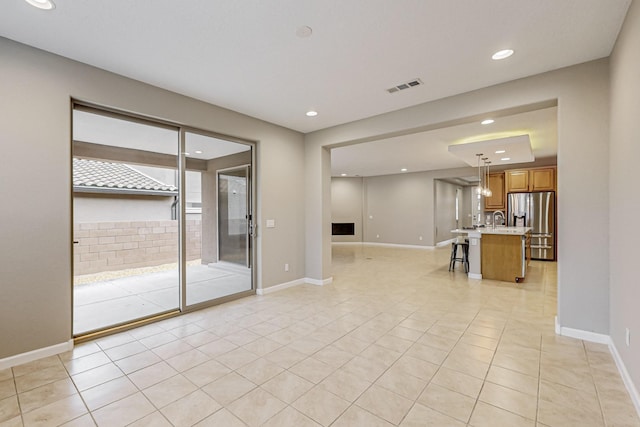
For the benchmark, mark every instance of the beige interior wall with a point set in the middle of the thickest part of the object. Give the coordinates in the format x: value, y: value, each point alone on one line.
x: 35, y: 123
x: 624, y: 203
x: 582, y: 94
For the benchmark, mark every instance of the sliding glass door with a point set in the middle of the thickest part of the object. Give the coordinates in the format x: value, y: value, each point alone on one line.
x: 126, y: 244
x: 145, y: 209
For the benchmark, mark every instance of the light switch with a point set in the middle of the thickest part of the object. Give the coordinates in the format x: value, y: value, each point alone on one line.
x: 271, y: 223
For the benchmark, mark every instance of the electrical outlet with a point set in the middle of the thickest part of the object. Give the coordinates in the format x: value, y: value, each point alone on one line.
x: 627, y: 337
x: 286, y: 267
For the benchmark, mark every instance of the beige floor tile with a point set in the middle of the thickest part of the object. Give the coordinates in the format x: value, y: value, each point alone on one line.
x: 290, y: 417
x: 138, y: 361
x: 420, y: 416
x: 151, y: 375
x: 6, y: 374
x: 568, y: 377
x: 554, y: 415
x: 358, y: 417
x: 217, y: 347
x: 437, y: 342
x: 406, y: 333
x: 509, y: 399
x: 115, y: 340
x: 305, y: 345
x: 154, y: 419
x: 84, y: 363
x: 190, y: 409
x: 416, y: 367
x: 34, y: 378
x: 365, y: 369
x: 312, y: 369
x: 173, y: 348
x: 259, y: 371
x: 80, y: 350
x: 169, y: 390
x: 385, y: 404
x: 485, y: 415
x: 82, y: 421
x: 228, y: 388
x: 402, y: 383
x: 345, y: 385
x: 56, y: 413
x: 262, y: 346
x: 124, y: 411
x: 527, y: 367
x: 447, y: 402
x: 333, y: 356
x: 106, y: 393
x: 351, y: 345
x: 200, y: 338
x: 321, y: 406
x: 513, y: 380
x: 221, y: 418
x: 96, y: 376
x: 427, y: 353
x: 287, y: 386
x: 206, y: 372
x: 242, y: 337
x: 125, y: 350
x: 285, y: 357
x: 236, y: 358
x: 46, y: 394
x: 187, y: 360
x: 37, y: 366
x: 458, y: 381
x: 559, y: 394
x: 466, y: 365
x: 9, y: 408
x: 256, y: 407
x: 7, y: 388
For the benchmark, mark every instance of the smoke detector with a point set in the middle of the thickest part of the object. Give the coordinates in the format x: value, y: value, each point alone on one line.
x: 406, y: 85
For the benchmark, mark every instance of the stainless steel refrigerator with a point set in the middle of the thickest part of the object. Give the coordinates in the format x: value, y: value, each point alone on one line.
x: 535, y: 210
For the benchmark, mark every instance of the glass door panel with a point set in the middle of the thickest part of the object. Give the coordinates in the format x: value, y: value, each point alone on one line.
x: 209, y: 276
x: 125, y: 210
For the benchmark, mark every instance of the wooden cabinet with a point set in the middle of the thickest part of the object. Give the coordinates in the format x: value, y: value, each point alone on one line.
x: 526, y: 180
x: 505, y: 257
x: 497, y: 199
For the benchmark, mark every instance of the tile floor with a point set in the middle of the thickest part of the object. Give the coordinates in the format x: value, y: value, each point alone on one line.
x: 396, y: 340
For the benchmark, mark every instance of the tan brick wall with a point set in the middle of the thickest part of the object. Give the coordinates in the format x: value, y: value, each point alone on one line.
x: 107, y: 246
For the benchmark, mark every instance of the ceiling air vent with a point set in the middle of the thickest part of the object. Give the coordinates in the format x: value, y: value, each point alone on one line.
x: 403, y: 86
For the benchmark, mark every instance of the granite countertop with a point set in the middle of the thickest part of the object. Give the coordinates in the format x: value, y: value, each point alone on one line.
x: 517, y: 231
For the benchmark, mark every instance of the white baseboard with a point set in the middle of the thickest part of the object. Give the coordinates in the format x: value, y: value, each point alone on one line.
x: 626, y: 378
x: 280, y: 287
x: 395, y: 245
x: 30, y: 356
x: 474, y: 276
x: 605, y: 339
x: 317, y: 282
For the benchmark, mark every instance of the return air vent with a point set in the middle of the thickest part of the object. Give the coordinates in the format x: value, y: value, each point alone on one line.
x: 403, y: 86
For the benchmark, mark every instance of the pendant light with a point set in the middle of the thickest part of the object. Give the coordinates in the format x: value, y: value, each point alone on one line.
x: 487, y: 190
x: 479, y: 188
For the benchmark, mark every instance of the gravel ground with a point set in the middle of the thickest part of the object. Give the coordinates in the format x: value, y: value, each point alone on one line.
x: 118, y: 274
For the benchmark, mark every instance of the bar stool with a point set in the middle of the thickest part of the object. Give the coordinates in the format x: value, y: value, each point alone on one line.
x: 464, y: 259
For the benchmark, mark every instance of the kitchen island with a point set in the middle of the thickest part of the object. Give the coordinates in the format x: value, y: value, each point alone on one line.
x: 500, y: 253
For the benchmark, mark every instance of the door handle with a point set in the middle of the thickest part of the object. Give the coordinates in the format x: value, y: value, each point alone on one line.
x: 253, y: 230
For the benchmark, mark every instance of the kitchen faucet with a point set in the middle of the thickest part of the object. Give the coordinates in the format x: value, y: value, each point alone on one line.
x: 494, y: 217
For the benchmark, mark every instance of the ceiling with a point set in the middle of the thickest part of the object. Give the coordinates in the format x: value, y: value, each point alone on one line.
x: 248, y: 56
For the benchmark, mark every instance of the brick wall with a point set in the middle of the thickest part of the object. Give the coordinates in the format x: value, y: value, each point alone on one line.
x: 107, y: 246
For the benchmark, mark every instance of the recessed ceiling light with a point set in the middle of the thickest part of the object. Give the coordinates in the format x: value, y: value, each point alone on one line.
x: 312, y: 113
x: 403, y: 170
x: 42, y: 4
x: 487, y: 122
x: 502, y: 54
x: 500, y: 151
x: 343, y: 174
x: 198, y: 151
x: 504, y: 159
